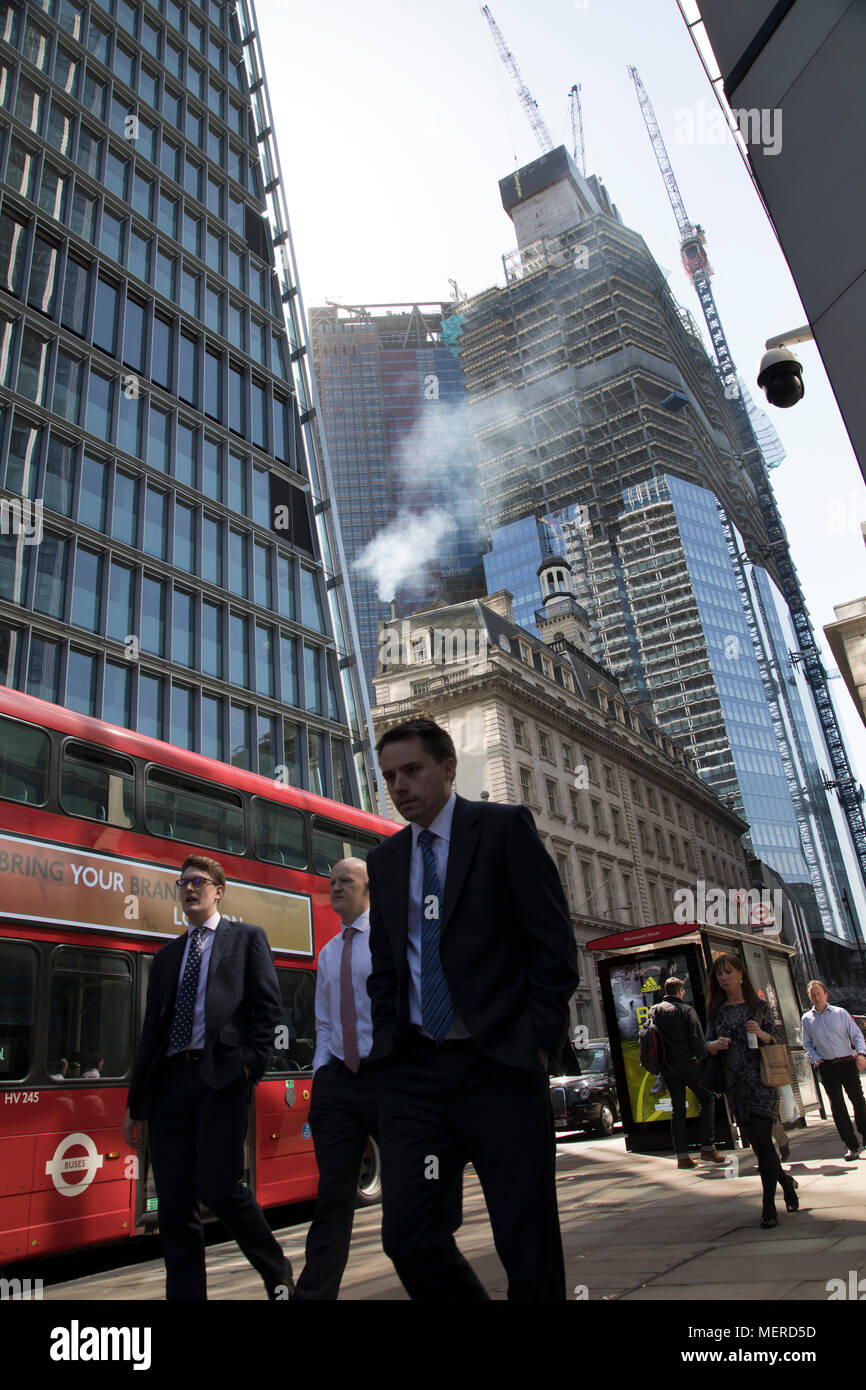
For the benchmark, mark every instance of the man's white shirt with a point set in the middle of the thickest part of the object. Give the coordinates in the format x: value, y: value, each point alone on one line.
x: 329, y: 1030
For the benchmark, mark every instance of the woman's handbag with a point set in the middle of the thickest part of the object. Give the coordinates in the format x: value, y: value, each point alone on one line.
x: 775, y: 1067
x: 712, y: 1071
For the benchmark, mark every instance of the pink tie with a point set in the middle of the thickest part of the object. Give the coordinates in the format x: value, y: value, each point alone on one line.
x: 348, y: 1022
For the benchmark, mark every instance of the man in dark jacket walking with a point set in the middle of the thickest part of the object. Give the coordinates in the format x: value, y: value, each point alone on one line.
x: 684, y: 1042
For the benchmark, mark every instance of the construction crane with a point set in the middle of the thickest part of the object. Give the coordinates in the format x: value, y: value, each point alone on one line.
x: 692, y: 246
x: 697, y: 266
x: 530, y: 105
x: 577, y: 128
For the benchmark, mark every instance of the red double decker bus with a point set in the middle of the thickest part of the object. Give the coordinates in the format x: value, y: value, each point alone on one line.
x: 95, y: 822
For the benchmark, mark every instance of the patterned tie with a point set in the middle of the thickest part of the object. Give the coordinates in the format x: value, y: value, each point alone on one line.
x: 437, y: 1012
x: 348, y: 1020
x: 181, y: 1028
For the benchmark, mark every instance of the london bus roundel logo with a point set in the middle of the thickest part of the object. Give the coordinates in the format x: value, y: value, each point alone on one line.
x: 763, y: 914
x: 72, y: 1175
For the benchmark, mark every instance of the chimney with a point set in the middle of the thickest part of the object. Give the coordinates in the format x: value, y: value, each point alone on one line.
x: 501, y: 603
x: 394, y: 611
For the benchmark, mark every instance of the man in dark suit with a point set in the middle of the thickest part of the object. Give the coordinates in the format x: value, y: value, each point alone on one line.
x: 473, y: 966
x: 213, y: 1004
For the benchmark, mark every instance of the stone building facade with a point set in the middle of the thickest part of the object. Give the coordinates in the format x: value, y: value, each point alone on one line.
x: 618, y: 804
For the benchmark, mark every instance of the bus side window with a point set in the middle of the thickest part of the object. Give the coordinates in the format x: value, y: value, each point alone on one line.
x: 201, y: 813
x: 295, y: 1039
x: 278, y: 833
x: 18, y: 964
x: 331, y: 843
x: 97, y: 784
x: 24, y: 758
x: 89, y: 1015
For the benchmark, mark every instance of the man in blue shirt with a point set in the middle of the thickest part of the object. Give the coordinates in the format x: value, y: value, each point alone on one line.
x: 835, y: 1045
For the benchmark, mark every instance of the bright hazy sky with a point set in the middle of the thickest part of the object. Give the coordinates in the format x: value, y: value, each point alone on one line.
x: 395, y: 120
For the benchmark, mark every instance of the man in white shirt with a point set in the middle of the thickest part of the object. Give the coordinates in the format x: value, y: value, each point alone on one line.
x: 344, y: 1110
x: 835, y: 1045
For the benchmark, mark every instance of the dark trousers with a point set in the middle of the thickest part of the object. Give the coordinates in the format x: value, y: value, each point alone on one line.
x: 758, y: 1130
x: 441, y: 1107
x: 837, y: 1077
x: 688, y: 1075
x: 196, y: 1138
x: 344, y: 1112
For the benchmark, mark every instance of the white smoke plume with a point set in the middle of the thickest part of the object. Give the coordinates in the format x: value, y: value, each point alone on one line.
x: 399, y: 552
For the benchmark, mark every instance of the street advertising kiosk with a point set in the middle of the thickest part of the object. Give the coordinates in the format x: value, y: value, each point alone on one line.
x: 632, y: 975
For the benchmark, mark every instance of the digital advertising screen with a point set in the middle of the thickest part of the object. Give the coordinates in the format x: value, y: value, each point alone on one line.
x: 635, y: 985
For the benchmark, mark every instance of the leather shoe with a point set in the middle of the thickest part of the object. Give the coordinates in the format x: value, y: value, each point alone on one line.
x: 686, y: 1162
x: 285, y: 1284
x: 851, y: 1155
x: 711, y: 1156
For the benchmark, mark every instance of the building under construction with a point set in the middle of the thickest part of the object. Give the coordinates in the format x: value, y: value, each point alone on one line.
x: 394, y: 414
x: 595, y: 406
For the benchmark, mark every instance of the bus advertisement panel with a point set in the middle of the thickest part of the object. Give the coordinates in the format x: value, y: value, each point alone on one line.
x: 74, y: 888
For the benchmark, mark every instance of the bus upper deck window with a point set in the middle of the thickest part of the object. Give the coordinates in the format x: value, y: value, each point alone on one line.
x: 97, y: 784
x: 278, y: 833
x: 201, y: 813
x: 24, y: 758
x: 331, y: 843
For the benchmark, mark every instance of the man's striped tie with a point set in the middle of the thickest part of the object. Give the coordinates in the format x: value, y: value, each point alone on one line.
x: 437, y: 1011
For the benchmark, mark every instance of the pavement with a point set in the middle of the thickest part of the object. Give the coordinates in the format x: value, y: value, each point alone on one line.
x: 635, y: 1228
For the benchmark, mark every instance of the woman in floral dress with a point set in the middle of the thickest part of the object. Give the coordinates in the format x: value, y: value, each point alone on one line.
x: 733, y: 1012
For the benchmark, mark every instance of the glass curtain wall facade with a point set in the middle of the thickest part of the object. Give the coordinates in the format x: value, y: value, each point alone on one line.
x: 394, y: 416
x: 147, y: 407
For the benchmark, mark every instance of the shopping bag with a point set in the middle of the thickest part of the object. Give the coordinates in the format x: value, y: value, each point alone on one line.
x: 788, y: 1110
x: 775, y: 1067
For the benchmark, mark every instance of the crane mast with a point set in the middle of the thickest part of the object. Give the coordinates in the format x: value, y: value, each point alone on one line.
x: 697, y: 267
x: 577, y: 129
x: 692, y: 246
x: 527, y: 100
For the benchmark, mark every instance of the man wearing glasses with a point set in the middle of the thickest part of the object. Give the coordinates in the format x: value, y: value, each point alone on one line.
x: 213, y: 1004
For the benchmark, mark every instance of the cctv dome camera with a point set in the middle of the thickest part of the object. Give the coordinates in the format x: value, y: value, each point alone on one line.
x: 781, y: 376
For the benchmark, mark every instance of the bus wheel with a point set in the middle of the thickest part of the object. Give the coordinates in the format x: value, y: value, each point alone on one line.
x: 369, y: 1190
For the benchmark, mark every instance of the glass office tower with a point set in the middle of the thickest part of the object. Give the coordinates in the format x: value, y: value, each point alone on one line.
x: 151, y: 407
x: 589, y: 386
x: 394, y: 414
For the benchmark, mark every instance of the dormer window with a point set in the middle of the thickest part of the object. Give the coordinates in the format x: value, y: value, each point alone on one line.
x: 419, y: 648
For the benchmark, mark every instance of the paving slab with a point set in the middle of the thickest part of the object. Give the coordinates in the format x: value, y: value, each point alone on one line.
x: 618, y: 1212
x: 767, y: 1292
